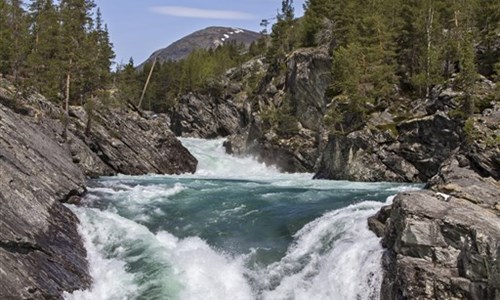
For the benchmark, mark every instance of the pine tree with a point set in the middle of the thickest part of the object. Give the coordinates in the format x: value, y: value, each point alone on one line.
x: 488, y: 29
x: 74, y: 18
x: 44, y: 59
x: 14, y: 46
x: 282, y: 38
x: 5, y: 37
x: 104, y: 49
x: 364, y: 63
x: 128, y: 84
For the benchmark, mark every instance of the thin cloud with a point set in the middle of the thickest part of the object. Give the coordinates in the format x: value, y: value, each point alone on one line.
x: 190, y: 12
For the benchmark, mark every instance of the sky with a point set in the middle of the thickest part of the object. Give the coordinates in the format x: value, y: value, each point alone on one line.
x: 139, y: 27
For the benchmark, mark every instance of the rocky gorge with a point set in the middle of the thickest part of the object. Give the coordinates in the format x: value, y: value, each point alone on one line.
x: 41, y: 252
x: 442, y: 242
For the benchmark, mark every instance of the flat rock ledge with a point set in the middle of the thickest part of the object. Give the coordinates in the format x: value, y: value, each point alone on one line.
x: 41, y: 252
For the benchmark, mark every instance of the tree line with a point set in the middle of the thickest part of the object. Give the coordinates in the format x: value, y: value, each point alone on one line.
x: 61, y: 50
x: 412, y: 44
x: 380, y: 49
x: 201, y: 71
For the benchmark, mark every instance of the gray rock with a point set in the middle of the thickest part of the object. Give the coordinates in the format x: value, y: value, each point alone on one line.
x: 422, y: 145
x: 206, y: 117
x: 427, y: 142
x: 462, y: 182
x: 307, y: 79
x: 441, y: 249
x: 483, y: 147
x: 301, y: 92
x: 41, y: 252
x: 126, y: 143
x: 359, y: 156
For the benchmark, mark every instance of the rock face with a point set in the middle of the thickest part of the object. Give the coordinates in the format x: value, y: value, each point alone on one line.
x: 286, y: 123
x: 441, y: 248
x: 307, y: 79
x: 444, y: 243
x: 411, y: 140
x: 206, y: 116
x: 41, y: 253
x: 127, y: 143
x: 413, y: 154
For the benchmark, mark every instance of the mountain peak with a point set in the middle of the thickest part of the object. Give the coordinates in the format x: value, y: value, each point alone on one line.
x: 208, y: 38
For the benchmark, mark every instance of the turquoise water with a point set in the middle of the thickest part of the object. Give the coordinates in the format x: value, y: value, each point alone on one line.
x: 234, y: 230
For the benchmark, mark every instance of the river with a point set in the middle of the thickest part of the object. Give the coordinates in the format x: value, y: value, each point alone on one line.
x: 236, y: 229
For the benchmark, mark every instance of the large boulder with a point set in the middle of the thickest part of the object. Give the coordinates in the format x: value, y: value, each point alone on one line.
x: 441, y: 247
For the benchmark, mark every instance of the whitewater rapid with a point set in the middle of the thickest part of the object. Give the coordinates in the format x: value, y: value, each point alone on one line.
x: 236, y: 229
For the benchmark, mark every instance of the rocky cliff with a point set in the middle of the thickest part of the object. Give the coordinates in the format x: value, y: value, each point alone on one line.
x: 286, y: 118
x: 41, y: 253
x: 444, y: 242
x: 407, y: 142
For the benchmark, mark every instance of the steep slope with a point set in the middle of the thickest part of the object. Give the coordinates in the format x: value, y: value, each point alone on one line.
x: 207, y: 38
x: 41, y: 252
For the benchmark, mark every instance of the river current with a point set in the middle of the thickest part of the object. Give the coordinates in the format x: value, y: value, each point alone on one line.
x: 236, y: 229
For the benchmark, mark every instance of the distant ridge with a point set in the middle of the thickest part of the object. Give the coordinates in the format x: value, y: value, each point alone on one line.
x: 210, y: 37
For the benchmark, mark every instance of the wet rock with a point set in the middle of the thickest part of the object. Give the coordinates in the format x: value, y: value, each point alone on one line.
x: 377, y: 223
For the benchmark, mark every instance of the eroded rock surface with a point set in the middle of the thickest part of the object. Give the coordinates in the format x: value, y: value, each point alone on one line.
x: 286, y: 119
x: 206, y: 116
x: 41, y: 253
x: 444, y: 243
x: 441, y: 247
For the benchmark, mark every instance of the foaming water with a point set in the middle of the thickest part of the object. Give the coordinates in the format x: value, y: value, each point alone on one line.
x: 333, y: 257
x: 236, y: 229
x: 213, y: 162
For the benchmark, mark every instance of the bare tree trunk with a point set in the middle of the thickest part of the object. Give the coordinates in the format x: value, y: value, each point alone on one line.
x: 66, y: 101
x: 147, y: 83
x: 430, y: 18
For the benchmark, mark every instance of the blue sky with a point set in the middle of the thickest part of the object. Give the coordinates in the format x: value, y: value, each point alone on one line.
x: 138, y: 27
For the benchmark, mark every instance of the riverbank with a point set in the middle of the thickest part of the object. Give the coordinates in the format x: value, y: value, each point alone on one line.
x: 41, y: 252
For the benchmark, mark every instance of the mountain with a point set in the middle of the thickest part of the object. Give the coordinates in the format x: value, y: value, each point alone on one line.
x: 210, y: 37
